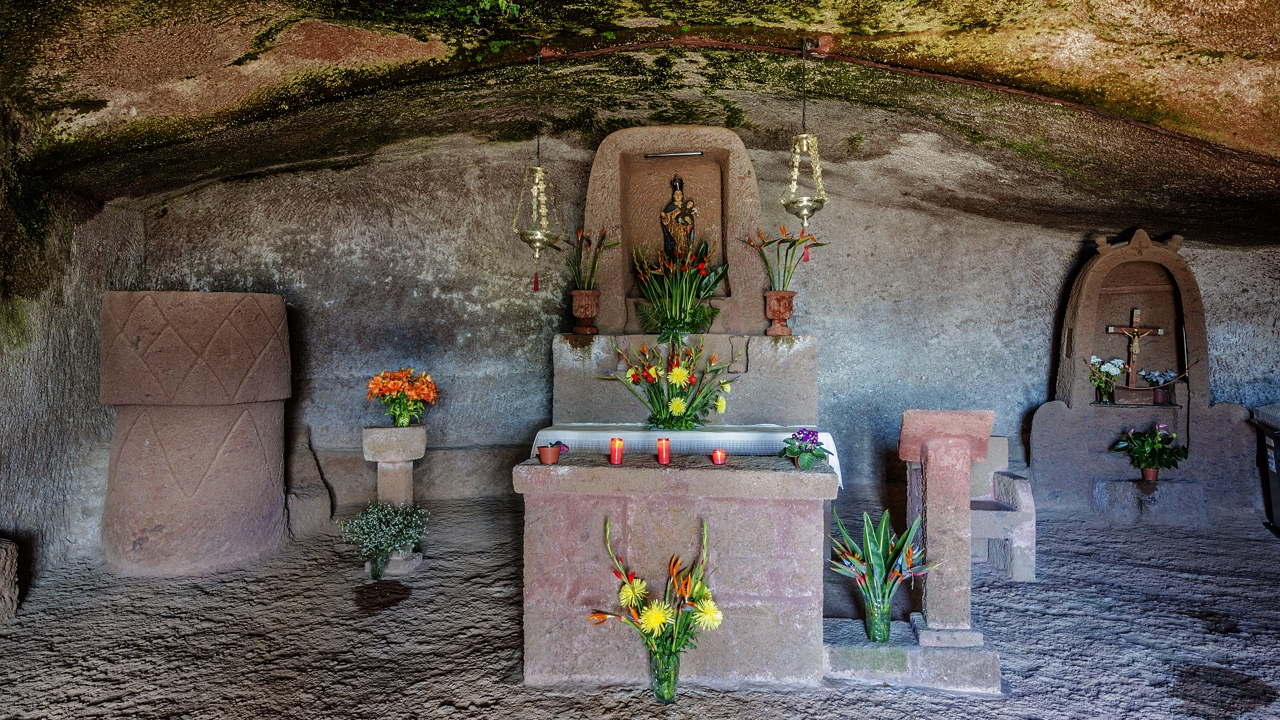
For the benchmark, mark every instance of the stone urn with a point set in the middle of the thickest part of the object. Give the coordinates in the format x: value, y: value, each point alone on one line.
x: 586, y: 305
x: 777, y: 307
x: 395, y: 449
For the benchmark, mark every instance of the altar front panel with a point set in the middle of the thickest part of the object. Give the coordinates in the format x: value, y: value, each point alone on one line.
x: 766, y: 556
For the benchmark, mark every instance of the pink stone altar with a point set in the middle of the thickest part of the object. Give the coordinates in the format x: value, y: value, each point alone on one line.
x: 766, y: 553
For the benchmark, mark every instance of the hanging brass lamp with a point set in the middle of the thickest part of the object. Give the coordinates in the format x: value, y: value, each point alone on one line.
x: 804, y: 147
x: 534, y: 228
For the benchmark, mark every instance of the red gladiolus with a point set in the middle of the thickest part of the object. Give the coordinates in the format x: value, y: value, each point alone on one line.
x: 617, y: 574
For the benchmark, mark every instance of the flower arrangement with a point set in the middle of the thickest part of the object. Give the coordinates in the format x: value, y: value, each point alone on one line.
x: 1158, y: 377
x: 787, y: 251
x: 804, y: 448
x: 1151, y: 449
x: 679, y: 390
x: 1102, y: 375
x: 583, y: 258
x: 674, y: 289
x: 668, y: 625
x: 889, y: 559
x: 382, y: 529
x: 404, y: 394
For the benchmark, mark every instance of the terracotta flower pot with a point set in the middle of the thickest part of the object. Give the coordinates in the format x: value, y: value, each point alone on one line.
x: 586, y: 305
x: 1149, y: 474
x: 777, y: 307
x: 549, y: 454
x: 1159, y: 396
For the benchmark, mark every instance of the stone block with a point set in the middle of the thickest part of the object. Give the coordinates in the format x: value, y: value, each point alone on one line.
x: 934, y: 637
x: 197, y: 455
x: 308, y: 502
x: 982, y: 472
x: 395, y: 482
x: 947, y: 532
x: 958, y: 669
x: 771, y: 596
x: 1173, y: 502
x: 777, y: 379
x: 1006, y: 527
x: 8, y: 580
x: 973, y: 427
x: 849, y: 655
x: 394, y: 444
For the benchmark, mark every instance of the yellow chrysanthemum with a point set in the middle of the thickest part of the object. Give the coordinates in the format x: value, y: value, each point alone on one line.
x: 706, y: 615
x: 677, y: 406
x: 632, y: 593
x: 720, y: 404
x: 655, y: 617
x: 700, y: 591
x: 678, y: 376
x: 724, y: 387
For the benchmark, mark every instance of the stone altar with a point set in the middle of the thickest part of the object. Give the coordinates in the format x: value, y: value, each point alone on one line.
x: 766, y: 551
x: 196, y: 478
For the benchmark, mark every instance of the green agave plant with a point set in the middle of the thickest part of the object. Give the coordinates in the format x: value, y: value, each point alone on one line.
x: 879, y: 571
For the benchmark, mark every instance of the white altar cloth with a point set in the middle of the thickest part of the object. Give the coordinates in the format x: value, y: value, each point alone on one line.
x: 733, y: 439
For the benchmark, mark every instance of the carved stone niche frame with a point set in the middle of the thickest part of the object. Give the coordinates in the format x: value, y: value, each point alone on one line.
x: 626, y: 192
x: 1071, y: 436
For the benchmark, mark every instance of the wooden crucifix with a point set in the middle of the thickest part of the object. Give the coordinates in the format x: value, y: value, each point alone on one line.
x: 1135, y: 332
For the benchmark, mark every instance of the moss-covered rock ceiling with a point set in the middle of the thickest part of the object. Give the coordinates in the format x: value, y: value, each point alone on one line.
x: 1118, y: 110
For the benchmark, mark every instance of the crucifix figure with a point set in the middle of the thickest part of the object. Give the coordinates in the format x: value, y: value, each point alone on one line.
x: 1134, y: 332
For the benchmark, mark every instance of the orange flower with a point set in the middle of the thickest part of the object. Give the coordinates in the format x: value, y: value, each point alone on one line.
x: 598, y: 618
x: 674, y: 567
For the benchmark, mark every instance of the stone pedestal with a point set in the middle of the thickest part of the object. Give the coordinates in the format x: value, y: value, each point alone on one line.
x: 395, y: 449
x: 197, y: 455
x: 1176, y: 502
x: 766, y: 553
x: 902, y: 661
x: 8, y: 580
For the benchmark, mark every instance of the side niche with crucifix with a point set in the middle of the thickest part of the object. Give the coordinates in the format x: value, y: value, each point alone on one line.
x: 1138, y: 302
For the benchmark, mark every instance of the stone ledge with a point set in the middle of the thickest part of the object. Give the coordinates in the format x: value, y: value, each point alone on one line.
x: 849, y: 655
x: 741, y: 476
x: 1173, y: 502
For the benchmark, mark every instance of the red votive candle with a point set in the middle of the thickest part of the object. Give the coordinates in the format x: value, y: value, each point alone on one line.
x: 615, y: 451
x: 717, y: 457
x: 664, y: 451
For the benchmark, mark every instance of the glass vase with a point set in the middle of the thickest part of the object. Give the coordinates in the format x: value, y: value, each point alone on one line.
x: 664, y: 673
x: 877, y: 621
x: 378, y: 566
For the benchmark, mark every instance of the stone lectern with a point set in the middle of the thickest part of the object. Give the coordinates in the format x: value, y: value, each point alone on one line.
x: 199, y: 382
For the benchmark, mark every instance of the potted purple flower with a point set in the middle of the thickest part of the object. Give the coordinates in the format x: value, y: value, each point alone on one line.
x: 804, y: 448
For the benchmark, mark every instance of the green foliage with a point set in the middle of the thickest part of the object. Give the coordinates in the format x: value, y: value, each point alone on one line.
x: 384, y: 528
x: 787, y: 254
x: 1151, y: 448
x: 887, y: 561
x: 675, y: 289
x: 422, y: 11
x: 583, y: 258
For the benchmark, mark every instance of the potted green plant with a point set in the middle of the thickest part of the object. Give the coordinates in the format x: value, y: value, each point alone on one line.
x: 668, y: 625
x: 583, y: 258
x: 1151, y: 450
x: 383, y: 530
x: 887, y: 561
x: 781, y: 256
x: 804, y: 448
x: 1102, y: 375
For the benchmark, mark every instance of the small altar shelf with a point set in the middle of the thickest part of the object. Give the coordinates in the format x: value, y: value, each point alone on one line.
x: 766, y: 556
x: 733, y: 439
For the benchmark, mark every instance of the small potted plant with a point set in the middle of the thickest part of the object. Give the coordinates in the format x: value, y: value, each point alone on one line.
x: 1158, y: 380
x: 670, y: 624
x: 887, y: 561
x: 787, y: 253
x: 1151, y: 450
x: 804, y: 448
x: 384, y: 531
x: 550, y: 454
x: 1102, y: 375
x: 583, y: 259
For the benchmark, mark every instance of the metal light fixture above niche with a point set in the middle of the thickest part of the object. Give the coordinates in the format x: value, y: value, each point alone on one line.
x: 804, y: 147
x: 536, y: 228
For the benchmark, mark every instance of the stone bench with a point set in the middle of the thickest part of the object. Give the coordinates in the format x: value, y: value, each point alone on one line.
x: 1002, y: 512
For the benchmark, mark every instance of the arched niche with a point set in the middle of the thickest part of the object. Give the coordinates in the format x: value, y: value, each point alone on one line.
x: 627, y: 190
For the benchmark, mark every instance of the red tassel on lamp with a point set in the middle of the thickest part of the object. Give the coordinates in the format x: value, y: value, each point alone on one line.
x: 535, y: 278
x: 805, y: 259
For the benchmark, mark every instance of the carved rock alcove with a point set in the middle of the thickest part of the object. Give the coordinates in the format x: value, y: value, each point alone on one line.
x: 1072, y: 465
x: 627, y: 190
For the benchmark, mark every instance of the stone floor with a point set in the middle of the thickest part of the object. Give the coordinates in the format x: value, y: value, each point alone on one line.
x: 1136, y: 623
